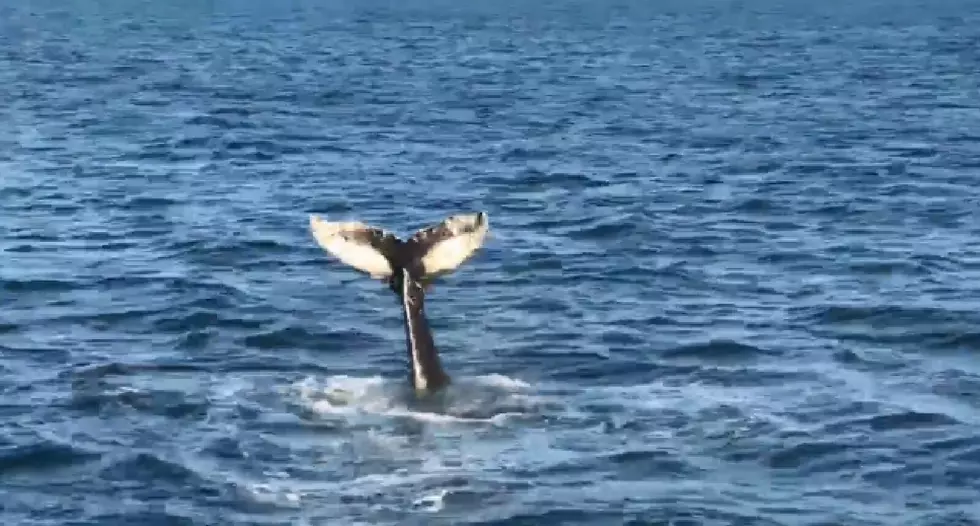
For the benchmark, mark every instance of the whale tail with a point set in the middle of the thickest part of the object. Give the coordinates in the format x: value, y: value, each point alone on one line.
x: 409, y: 267
x: 430, y: 252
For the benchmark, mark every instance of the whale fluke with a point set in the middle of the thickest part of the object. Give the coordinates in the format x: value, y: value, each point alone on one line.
x: 430, y: 252
x: 408, y: 267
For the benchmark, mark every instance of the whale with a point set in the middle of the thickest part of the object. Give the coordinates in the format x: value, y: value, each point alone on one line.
x: 409, y: 268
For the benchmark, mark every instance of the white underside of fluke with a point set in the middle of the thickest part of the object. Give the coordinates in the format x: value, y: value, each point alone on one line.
x: 447, y: 244
x: 343, y: 240
x: 467, y: 235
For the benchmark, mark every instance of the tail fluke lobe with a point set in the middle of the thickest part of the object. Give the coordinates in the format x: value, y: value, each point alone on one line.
x: 443, y: 247
x: 367, y: 249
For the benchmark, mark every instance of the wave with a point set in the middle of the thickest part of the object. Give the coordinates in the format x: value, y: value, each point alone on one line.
x: 40, y: 457
x: 924, y: 329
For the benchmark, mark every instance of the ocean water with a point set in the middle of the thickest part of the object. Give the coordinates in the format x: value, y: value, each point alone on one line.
x: 733, y: 275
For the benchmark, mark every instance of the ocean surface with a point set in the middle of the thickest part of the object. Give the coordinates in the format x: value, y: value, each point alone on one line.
x: 733, y: 274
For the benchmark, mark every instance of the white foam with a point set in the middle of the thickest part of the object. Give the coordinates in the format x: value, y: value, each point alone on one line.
x: 484, y: 399
x: 432, y: 503
x: 499, y: 380
x: 275, y: 494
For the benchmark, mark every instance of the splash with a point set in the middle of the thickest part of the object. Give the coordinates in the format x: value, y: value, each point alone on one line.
x: 489, y: 399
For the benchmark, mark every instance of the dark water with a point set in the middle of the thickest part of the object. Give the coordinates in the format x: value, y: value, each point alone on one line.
x: 733, y: 279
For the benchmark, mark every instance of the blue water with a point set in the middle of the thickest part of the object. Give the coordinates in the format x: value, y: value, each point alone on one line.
x: 733, y: 275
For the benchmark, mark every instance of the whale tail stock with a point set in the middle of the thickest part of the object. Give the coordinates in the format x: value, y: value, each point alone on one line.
x: 409, y: 268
